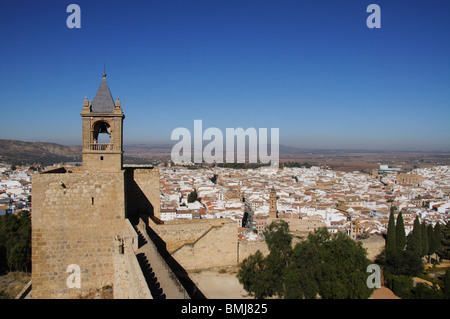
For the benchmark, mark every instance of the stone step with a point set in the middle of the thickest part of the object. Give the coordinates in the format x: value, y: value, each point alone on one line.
x: 162, y: 283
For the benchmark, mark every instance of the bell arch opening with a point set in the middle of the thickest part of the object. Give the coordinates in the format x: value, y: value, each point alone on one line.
x: 101, y: 136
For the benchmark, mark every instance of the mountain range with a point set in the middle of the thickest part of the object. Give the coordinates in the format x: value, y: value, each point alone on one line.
x: 20, y: 152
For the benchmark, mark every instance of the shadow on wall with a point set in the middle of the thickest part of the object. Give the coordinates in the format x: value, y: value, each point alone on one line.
x: 177, y: 269
x: 150, y: 277
x: 137, y: 203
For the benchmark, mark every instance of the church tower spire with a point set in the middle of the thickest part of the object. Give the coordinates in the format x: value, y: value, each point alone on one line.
x: 102, y: 129
x: 273, y: 203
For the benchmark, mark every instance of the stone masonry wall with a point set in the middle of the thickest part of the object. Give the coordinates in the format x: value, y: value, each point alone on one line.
x: 178, y: 233
x: 247, y: 248
x: 129, y: 281
x: 215, y: 242
x: 142, y: 192
x: 75, y: 219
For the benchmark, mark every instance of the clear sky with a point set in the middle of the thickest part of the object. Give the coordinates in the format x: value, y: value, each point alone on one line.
x: 313, y: 69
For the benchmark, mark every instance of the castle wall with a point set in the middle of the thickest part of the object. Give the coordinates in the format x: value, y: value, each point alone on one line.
x: 111, y: 162
x: 74, y: 221
x: 247, y: 248
x: 177, y: 233
x: 201, y: 243
x: 129, y: 281
x: 142, y: 192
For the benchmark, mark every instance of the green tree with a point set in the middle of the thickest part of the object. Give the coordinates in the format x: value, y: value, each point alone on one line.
x: 401, y: 286
x: 279, y: 242
x: 437, y: 234
x: 400, y: 235
x: 400, y: 263
x: 252, y: 274
x: 444, y: 251
x: 279, y: 239
x: 342, y: 272
x: 414, y: 239
x: 15, y: 242
x: 18, y: 256
x: 424, y: 234
x: 333, y: 267
x: 431, y: 241
x: 324, y: 265
x: 423, y: 291
x: 193, y: 196
x: 446, y: 281
x: 390, y: 237
x: 302, y: 273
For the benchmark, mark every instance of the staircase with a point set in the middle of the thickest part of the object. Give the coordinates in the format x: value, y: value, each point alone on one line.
x: 162, y: 282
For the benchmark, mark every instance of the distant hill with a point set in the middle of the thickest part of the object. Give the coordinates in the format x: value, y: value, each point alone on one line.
x: 19, y: 152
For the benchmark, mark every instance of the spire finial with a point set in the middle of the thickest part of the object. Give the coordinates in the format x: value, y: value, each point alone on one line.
x: 104, y: 69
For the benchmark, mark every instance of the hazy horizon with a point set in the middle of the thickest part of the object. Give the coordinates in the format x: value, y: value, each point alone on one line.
x: 282, y: 146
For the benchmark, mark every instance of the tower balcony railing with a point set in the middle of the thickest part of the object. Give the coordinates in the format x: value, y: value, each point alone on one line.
x: 101, y: 147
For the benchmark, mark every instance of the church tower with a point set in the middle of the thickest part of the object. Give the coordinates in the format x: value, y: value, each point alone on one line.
x: 273, y: 203
x: 102, y: 131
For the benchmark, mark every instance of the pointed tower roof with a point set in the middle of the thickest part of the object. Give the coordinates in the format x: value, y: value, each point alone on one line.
x: 103, y: 101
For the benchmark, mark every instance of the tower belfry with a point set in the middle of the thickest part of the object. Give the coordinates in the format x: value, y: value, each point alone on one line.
x: 102, y: 129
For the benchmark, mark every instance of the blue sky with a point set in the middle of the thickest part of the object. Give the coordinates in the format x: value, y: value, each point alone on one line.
x: 313, y: 69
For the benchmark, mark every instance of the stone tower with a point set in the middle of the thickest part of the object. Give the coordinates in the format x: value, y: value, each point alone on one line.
x: 102, y: 131
x: 273, y: 203
x: 79, y: 212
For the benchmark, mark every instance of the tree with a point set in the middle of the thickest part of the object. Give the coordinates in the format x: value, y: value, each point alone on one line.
x: 279, y: 239
x: 390, y: 237
x: 252, y: 274
x: 446, y: 281
x: 431, y: 241
x: 279, y: 242
x: 400, y: 235
x: 332, y: 267
x: 444, y: 251
x: 424, y: 291
x: 15, y: 242
x: 18, y: 256
x: 325, y: 265
x: 193, y: 196
x: 400, y: 263
x: 414, y: 239
x: 302, y: 273
x: 437, y: 238
x: 424, y: 234
x: 342, y: 271
x: 264, y: 277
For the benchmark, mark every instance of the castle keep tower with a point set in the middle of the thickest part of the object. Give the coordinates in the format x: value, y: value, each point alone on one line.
x: 102, y: 130
x: 79, y: 212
